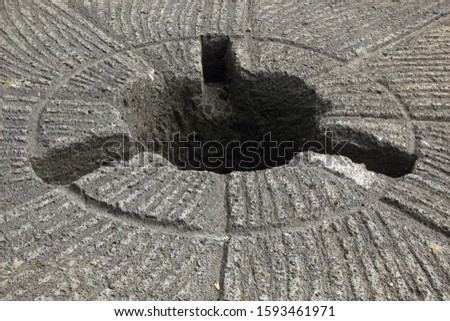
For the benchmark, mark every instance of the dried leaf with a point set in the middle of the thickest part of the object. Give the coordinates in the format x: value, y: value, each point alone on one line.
x: 437, y: 248
x: 17, y: 263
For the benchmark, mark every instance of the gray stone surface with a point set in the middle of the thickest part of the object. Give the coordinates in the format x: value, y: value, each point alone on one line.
x: 372, y: 224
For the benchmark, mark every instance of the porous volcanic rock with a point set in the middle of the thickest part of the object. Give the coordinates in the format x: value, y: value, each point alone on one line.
x: 367, y: 220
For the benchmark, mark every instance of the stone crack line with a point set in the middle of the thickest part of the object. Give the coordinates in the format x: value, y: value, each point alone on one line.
x: 300, y: 46
x: 226, y: 243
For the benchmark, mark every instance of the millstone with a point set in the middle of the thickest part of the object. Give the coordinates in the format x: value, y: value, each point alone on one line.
x: 283, y: 151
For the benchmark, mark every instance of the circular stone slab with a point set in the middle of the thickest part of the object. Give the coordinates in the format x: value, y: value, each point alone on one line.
x: 94, y: 206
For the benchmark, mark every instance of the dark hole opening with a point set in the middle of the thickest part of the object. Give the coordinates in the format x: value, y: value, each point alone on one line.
x: 228, y: 119
x: 235, y: 119
x: 214, y: 52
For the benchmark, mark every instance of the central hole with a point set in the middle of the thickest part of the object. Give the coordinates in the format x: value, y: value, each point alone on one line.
x: 225, y: 119
x: 231, y: 120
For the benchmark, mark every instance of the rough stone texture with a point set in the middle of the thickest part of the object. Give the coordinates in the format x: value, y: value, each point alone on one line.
x: 76, y: 74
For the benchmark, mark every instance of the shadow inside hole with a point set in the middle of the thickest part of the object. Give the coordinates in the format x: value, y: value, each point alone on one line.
x: 237, y: 120
x: 247, y: 122
x: 230, y: 119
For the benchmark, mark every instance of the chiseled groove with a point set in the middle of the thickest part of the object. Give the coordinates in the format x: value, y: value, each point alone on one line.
x: 442, y: 264
x: 251, y: 192
x: 145, y: 188
x: 20, y: 211
x: 65, y: 31
x: 181, y: 21
x: 335, y: 257
x: 169, y: 17
x: 359, y: 267
x: 228, y: 22
x: 175, y: 17
x: 177, y: 193
x: 395, y: 242
x: 8, y: 69
x: 36, y: 31
x: 91, y: 229
x: 21, y: 45
x: 152, y: 199
x: 73, y: 249
x: 432, y: 174
x: 315, y: 278
x: 223, y: 18
x: 158, y: 226
x: 301, y: 46
x: 411, y: 213
x: 79, y: 37
x: 143, y: 9
x: 226, y: 243
x: 286, y: 260
x: 120, y: 270
x: 406, y: 114
x: 259, y: 266
x: 379, y: 240
x: 302, y: 225
x: 190, y: 28
x: 207, y: 15
x: 55, y: 39
x: 281, y: 257
x: 296, y: 287
x: 162, y: 6
x: 38, y: 110
x: 441, y: 165
x: 135, y: 20
x: 434, y: 288
x: 374, y: 274
x: 274, y: 189
x: 420, y: 182
x: 268, y: 266
x: 125, y: 21
x: 199, y: 199
x: 46, y: 222
x: 435, y: 21
x: 405, y: 246
x: 175, y: 188
x: 152, y: 32
x: 91, y: 30
x: 174, y: 281
x: 265, y: 199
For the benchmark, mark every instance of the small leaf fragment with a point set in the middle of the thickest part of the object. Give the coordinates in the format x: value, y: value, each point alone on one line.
x: 436, y: 247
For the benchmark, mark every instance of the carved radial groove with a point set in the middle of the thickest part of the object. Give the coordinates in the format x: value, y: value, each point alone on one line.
x: 371, y: 223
